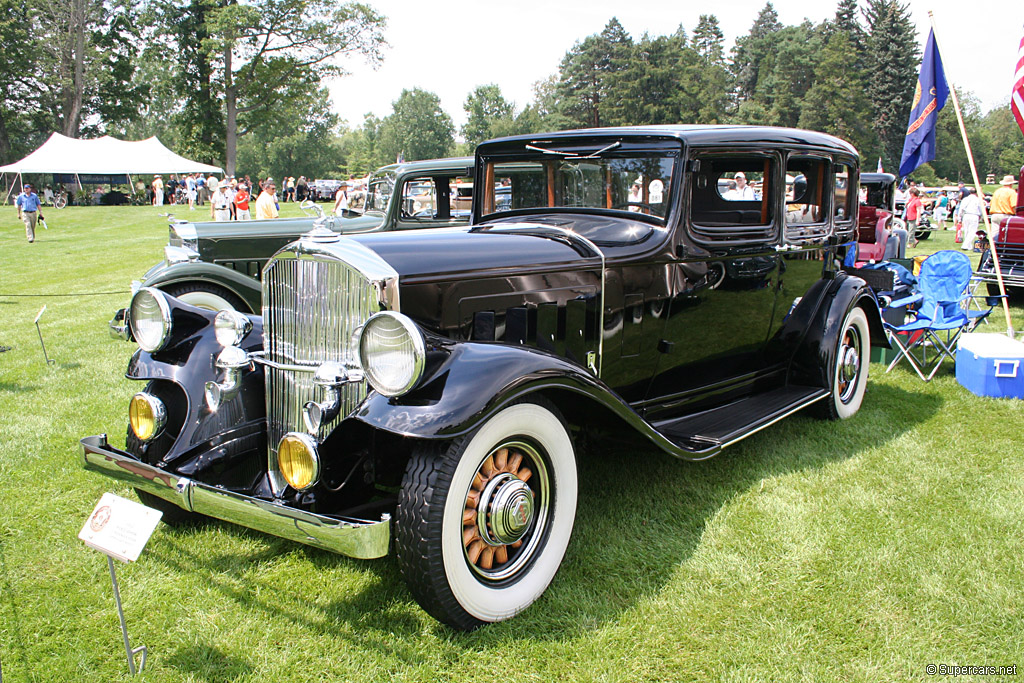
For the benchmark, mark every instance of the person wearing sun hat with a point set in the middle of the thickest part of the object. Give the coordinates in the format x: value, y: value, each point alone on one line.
x: 1004, y: 202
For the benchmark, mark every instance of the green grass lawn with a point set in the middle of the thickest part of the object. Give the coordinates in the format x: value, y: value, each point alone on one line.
x: 855, y: 551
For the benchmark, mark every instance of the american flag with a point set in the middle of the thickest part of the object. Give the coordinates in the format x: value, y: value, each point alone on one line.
x: 1017, y: 98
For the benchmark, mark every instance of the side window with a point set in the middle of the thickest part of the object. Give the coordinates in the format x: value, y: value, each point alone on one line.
x: 807, y: 190
x: 731, y: 197
x: 434, y: 199
x: 844, y: 197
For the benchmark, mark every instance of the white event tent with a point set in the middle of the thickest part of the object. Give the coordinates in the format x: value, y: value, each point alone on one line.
x: 103, y: 156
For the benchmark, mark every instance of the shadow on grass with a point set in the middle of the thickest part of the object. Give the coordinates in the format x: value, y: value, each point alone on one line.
x: 641, y: 515
x: 14, y: 620
x: 17, y: 388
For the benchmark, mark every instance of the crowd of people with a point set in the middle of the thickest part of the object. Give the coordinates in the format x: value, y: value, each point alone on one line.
x: 962, y: 206
x: 229, y: 198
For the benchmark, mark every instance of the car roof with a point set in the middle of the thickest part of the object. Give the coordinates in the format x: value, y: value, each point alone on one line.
x: 429, y: 165
x: 701, y: 135
x: 877, y: 178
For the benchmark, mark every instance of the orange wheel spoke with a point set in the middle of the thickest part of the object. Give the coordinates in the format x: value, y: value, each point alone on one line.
x: 478, y: 482
x: 501, y: 459
x: 469, y: 534
x: 488, y: 467
x: 473, y: 499
x: 468, y: 516
x: 514, y: 462
x: 501, y: 554
x: 475, y: 550
x: 524, y: 474
x: 487, y: 558
x: 516, y: 544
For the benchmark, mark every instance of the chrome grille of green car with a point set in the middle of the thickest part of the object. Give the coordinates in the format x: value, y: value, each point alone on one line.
x: 313, y: 306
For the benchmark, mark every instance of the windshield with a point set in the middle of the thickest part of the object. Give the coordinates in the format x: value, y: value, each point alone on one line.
x: 379, y: 193
x: 605, y: 179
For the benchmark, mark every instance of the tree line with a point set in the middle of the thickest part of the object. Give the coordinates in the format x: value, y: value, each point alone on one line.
x: 242, y: 84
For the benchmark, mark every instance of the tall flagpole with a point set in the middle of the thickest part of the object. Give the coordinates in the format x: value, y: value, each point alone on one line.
x: 981, y: 193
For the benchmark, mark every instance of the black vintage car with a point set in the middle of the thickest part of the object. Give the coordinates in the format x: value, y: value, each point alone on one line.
x: 423, y: 390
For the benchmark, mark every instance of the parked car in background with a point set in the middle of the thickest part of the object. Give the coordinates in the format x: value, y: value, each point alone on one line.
x: 1009, y: 245
x: 429, y: 388
x: 217, y: 265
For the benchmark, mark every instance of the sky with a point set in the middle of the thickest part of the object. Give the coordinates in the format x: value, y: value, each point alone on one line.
x: 515, y: 43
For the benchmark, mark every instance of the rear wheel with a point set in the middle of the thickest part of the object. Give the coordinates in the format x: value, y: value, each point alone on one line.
x: 850, y: 373
x: 482, y: 524
x: 205, y: 295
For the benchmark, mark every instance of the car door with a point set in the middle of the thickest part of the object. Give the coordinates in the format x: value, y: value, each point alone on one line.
x: 724, y: 280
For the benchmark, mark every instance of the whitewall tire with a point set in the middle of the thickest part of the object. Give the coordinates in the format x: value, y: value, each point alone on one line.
x: 482, y: 524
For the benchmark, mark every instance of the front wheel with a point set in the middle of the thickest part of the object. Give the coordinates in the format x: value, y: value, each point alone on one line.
x: 850, y: 373
x: 60, y: 201
x: 482, y: 524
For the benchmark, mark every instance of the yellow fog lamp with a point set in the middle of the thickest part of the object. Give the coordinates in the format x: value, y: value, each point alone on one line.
x: 147, y: 415
x: 298, y: 460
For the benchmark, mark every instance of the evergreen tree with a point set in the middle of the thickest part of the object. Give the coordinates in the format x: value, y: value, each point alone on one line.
x: 893, y: 59
x: 588, y: 69
x: 708, y: 40
x: 752, y: 49
x: 837, y: 103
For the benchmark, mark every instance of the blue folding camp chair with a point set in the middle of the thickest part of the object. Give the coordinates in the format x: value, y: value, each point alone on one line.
x: 941, y: 314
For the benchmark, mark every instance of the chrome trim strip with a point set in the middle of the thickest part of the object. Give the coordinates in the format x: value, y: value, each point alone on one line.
x: 358, y: 538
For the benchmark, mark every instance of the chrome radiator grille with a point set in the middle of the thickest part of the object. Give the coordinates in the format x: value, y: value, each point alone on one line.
x: 312, y: 308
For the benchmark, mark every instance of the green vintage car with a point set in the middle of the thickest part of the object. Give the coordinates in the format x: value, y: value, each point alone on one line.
x: 218, y: 265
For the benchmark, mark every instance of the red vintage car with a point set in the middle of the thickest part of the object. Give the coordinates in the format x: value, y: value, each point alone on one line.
x: 1009, y: 244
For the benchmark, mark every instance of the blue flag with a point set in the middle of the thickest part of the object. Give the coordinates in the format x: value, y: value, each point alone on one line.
x: 929, y: 97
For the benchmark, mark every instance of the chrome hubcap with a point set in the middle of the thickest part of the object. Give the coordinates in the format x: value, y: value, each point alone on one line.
x: 849, y: 365
x: 505, y: 511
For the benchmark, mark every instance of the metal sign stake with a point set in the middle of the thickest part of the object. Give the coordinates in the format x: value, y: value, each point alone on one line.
x: 124, y: 628
x: 41, y: 343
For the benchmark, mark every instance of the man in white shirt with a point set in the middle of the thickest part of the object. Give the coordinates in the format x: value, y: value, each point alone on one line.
x: 970, y: 214
x: 220, y: 204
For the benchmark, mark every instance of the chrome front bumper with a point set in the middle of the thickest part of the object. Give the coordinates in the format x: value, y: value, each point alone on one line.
x: 351, y: 537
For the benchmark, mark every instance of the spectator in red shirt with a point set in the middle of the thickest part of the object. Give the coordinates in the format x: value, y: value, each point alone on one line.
x: 242, y: 202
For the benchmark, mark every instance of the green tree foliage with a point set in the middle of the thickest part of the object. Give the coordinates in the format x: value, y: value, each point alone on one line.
x: 1007, y: 142
x: 709, y: 41
x: 893, y: 61
x: 837, y: 103
x: 416, y: 129
x: 752, y: 49
x: 302, y: 140
x: 951, y: 156
x: 17, y: 134
x: 487, y: 111
x: 587, y: 72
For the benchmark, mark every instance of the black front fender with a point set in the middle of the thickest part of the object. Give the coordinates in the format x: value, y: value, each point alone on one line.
x: 475, y: 381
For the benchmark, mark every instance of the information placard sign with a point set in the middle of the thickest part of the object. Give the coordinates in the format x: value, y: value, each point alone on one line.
x: 120, y: 527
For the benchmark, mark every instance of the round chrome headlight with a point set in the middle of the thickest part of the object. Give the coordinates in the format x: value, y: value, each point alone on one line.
x: 230, y: 327
x: 392, y: 353
x: 150, y: 319
x: 146, y: 415
x: 298, y: 460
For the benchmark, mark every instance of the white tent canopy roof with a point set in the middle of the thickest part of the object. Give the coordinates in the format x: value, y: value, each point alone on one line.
x: 105, y: 155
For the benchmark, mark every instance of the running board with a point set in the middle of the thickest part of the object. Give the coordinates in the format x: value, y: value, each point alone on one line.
x: 705, y: 434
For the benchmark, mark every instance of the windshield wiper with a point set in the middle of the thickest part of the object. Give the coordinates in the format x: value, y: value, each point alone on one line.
x: 575, y: 155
